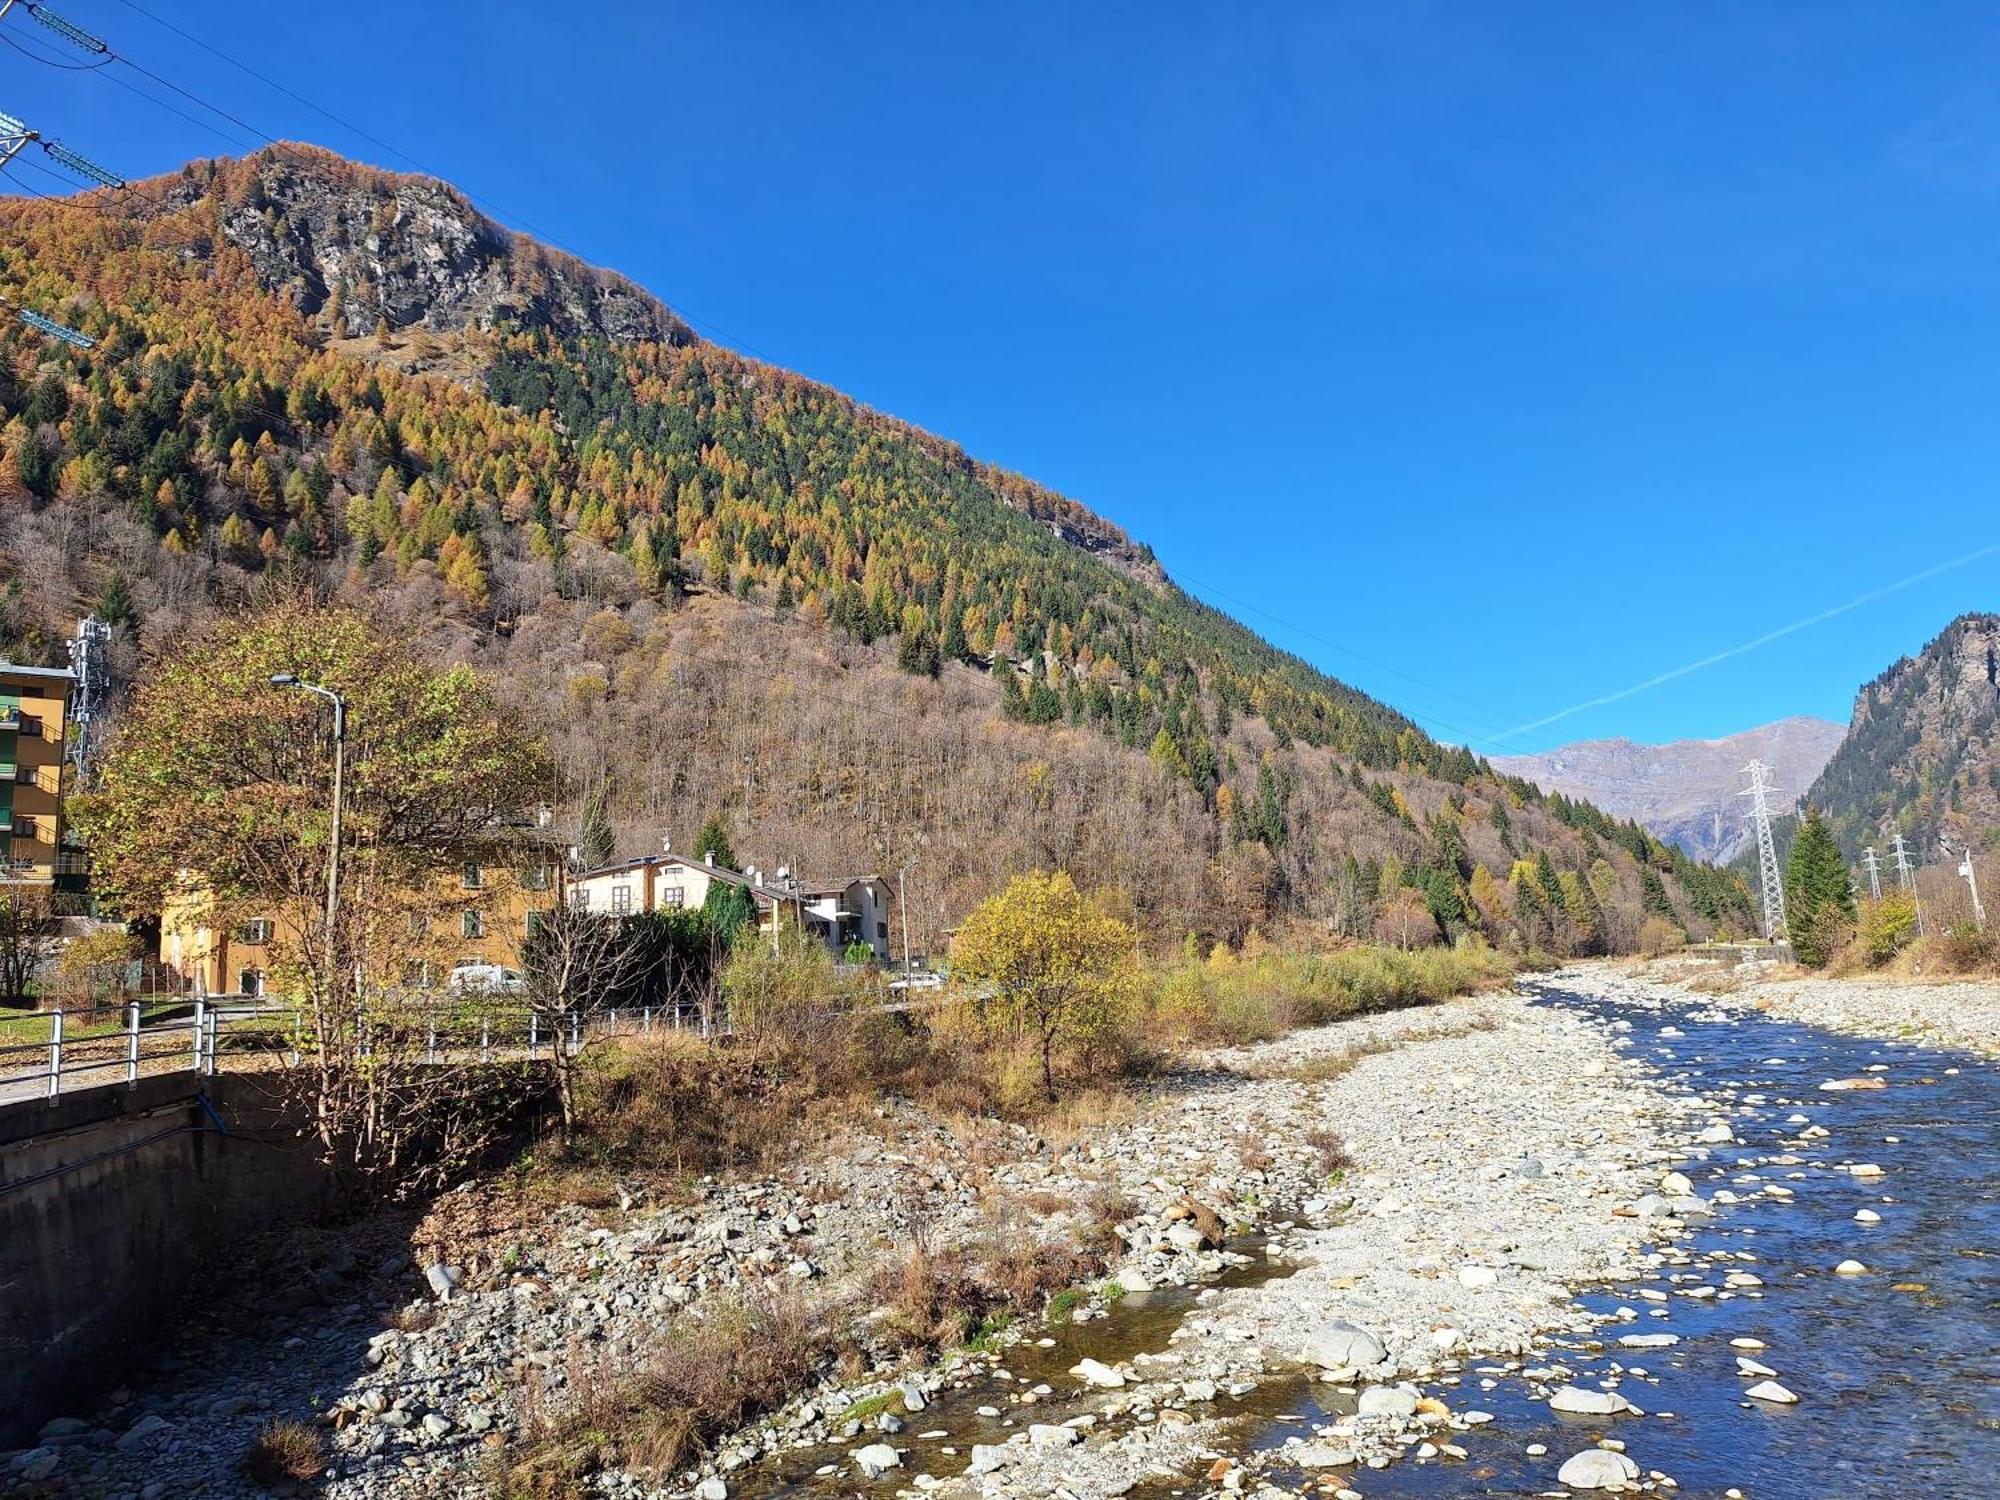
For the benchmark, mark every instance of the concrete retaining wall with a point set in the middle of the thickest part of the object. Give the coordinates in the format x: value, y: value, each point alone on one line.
x: 109, y: 1200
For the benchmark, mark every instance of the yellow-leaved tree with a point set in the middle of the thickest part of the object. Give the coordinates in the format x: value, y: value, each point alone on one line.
x: 1042, y: 964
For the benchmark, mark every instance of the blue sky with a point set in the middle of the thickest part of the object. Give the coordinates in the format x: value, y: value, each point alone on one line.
x: 1493, y: 357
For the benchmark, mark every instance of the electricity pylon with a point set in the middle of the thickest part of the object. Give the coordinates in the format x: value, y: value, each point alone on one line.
x: 1872, y: 863
x: 1905, y: 874
x: 1767, y: 852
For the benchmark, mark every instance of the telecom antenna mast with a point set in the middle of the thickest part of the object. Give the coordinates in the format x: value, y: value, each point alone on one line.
x: 1767, y: 852
x: 86, y: 660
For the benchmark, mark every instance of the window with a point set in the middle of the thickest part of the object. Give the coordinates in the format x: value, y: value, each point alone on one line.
x: 472, y: 876
x: 250, y: 982
x: 536, y: 877
x: 579, y: 898
x: 472, y: 925
x: 31, y: 726
x: 673, y: 896
x: 621, y: 900
x: 882, y: 931
x: 534, y: 924
x: 27, y: 775
x: 24, y: 828
x: 256, y: 930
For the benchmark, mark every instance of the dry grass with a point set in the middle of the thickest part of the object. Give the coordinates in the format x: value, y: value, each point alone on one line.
x: 1330, y: 1149
x: 285, y: 1452
x: 707, y: 1376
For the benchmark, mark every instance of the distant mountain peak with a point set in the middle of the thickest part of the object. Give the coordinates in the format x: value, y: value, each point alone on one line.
x: 1683, y: 791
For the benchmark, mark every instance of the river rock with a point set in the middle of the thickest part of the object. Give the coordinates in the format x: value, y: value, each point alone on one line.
x: 711, y: 1489
x: 1649, y: 1340
x: 1342, y: 1346
x: 1747, y: 1366
x: 1867, y: 1216
x: 1321, y: 1456
x: 1580, y: 1402
x: 1094, y: 1372
x: 1597, y: 1469
x: 1047, y: 1435
x: 1770, y: 1390
x: 987, y: 1457
x: 877, y: 1459
x: 1850, y: 1268
x: 1387, y: 1401
x: 1718, y: 1134
x: 1676, y: 1185
x: 1849, y: 1085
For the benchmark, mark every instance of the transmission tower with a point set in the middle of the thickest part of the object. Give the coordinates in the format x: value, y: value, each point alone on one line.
x: 1767, y: 852
x: 1872, y: 863
x: 1906, y: 876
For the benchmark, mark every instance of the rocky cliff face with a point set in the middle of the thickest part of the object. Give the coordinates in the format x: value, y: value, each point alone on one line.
x: 1684, y: 792
x: 364, y: 245
x: 1921, y: 756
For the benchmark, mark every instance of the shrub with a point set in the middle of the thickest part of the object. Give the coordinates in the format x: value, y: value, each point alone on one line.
x: 1658, y: 935
x: 285, y: 1452
x: 1885, y: 926
x: 1965, y: 948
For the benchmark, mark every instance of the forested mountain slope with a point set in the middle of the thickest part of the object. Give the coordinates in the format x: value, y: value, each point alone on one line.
x: 711, y: 583
x: 1920, y: 756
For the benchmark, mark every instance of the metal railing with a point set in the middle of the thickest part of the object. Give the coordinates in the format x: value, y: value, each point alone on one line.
x: 80, y: 1049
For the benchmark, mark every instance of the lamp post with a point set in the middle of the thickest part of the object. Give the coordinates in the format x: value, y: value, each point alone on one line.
x: 292, y: 680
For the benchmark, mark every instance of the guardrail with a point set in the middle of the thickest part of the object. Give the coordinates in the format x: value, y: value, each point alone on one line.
x: 80, y: 1049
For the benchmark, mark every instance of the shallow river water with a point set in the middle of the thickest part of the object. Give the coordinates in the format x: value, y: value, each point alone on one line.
x: 1897, y: 1371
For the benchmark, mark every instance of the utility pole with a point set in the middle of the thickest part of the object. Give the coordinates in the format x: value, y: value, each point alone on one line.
x: 903, y: 913
x: 292, y: 680
x: 1971, y: 878
x: 1872, y: 863
x: 1767, y: 852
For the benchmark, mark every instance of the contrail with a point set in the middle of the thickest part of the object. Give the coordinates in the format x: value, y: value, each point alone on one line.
x: 1751, y: 645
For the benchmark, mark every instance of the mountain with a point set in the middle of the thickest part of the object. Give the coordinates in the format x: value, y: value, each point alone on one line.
x: 1685, y: 792
x: 1922, y: 757
x: 712, y: 584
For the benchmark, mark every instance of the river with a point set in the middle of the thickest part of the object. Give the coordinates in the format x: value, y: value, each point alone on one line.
x: 1897, y: 1370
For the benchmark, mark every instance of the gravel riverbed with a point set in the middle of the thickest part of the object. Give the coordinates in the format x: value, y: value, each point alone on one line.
x: 1503, y: 1154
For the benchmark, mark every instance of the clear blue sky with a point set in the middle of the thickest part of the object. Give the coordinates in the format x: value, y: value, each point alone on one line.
x: 1526, y: 350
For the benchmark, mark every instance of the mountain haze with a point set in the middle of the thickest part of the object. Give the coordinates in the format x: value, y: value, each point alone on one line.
x: 712, y: 584
x: 1685, y: 791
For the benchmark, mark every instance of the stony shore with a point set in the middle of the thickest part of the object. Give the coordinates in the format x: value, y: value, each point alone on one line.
x: 1503, y: 1154
x: 1946, y: 1013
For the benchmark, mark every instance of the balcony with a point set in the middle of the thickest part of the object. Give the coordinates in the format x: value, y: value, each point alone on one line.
x: 10, y: 720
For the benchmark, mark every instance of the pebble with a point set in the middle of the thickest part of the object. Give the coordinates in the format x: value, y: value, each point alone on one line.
x: 1770, y: 1390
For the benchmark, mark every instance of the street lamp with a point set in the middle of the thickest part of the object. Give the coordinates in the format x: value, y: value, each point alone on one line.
x: 292, y: 680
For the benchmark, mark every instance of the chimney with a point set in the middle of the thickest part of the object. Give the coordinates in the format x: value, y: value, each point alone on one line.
x: 708, y: 857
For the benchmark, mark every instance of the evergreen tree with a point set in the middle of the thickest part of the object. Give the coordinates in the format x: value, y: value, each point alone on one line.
x: 713, y: 841
x: 595, y: 844
x: 1818, y: 898
x: 114, y: 605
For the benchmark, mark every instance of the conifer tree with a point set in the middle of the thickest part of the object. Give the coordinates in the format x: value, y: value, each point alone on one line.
x: 1818, y: 897
x: 712, y: 841
x: 595, y: 844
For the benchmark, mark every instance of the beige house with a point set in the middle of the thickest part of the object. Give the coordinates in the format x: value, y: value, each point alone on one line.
x: 839, y: 913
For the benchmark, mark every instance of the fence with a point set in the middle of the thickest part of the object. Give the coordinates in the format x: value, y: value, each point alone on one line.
x: 80, y: 1049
